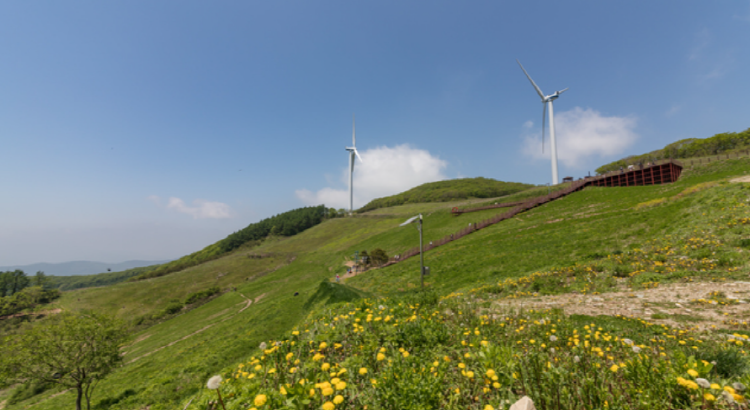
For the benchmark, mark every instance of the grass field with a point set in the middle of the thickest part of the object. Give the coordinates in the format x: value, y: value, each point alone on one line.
x: 175, y: 357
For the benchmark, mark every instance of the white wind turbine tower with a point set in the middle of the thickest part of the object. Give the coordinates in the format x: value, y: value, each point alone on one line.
x: 352, y: 152
x: 547, y: 100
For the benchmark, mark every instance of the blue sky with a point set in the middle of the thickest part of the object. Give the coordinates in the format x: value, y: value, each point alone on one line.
x: 148, y: 130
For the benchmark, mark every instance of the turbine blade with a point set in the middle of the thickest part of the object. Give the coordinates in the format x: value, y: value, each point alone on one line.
x: 544, y: 119
x: 354, y: 133
x: 536, y: 87
x: 357, y: 154
x: 560, y: 92
x: 410, y: 220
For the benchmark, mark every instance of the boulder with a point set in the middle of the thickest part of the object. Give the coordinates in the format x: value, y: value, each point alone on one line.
x: 525, y: 403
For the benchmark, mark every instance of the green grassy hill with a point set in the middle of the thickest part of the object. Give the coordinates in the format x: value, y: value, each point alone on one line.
x: 168, y: 362
x: 450, y: 190
x: 724, y: 143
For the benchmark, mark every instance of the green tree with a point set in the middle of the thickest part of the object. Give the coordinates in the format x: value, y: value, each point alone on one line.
x: 73, y: 350
x: 4, y: 283
x: 365, y: 258
x: 378, y: 257
x: 41, y: 280
x: 13, y: 282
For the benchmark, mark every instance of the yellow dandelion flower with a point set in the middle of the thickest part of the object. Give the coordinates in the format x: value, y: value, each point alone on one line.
x: 260, y: 400
x: 338, y: 399
x: 328, y: 406
x: 363, y: 371
x: 692, y: 372
x: 327, y: 391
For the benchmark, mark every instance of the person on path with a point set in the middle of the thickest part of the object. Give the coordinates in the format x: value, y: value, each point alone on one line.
x: 337, y: 278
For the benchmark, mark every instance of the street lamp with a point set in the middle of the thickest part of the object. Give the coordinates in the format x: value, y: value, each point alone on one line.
x: 422, y: 268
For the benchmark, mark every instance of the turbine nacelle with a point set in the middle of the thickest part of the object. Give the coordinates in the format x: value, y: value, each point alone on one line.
x: 554, y: 96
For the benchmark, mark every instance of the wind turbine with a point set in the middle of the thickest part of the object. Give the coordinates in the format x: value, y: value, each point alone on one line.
x: 547, y: 100
x: 352, y: 152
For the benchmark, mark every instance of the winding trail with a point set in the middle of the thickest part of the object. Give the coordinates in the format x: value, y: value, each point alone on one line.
x: 246, y: 304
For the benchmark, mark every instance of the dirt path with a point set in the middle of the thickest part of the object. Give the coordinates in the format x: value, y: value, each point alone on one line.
x: 672, y: 304
x: 246, y: 304
x: 43, y: 312
x: 741, y: 179
x: 353, y: 273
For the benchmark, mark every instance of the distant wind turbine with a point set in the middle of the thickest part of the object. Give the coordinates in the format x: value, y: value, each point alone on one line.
x: 547, y: 100
x: 352, y: 152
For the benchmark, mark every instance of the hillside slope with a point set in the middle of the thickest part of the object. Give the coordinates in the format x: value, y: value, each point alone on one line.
x: 728, y: 142
x: 169, y: 362
x: 449, y: 190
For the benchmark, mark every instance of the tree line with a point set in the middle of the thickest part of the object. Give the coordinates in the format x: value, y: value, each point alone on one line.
x: 285, y: 224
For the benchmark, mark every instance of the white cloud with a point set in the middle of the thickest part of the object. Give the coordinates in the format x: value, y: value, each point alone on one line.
x: 673, y: 110
x: 383, y: 171
x: 202, y: 209
x: 584, y: 133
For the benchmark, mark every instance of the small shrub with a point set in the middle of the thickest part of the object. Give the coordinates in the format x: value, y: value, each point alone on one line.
x: 204, y: 294
x: 173, y: 307
x: 28, y: 390
x: 730, y: 362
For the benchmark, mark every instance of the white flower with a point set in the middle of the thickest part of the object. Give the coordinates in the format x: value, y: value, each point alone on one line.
x: 263, y: 346
x: 728, y: 397
x: 553, y: 338
x: 703, y: 383
x: 576, y: 359
x: 214, y: 382
x: 552, y: 350
x: 739, y: 386
x: 636, y: 349
x: 627, y: 342
x: 381, y: 307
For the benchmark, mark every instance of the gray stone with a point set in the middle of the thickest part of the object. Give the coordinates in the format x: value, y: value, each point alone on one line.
x: 525, y: 403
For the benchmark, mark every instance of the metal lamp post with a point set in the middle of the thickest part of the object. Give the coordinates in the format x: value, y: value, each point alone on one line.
x: 421, y: 247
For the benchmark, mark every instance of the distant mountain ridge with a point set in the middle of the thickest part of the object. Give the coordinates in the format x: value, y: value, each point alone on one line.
x: 80, y: 267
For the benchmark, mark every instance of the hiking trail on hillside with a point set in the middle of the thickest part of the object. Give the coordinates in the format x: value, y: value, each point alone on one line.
x: 672, y: 304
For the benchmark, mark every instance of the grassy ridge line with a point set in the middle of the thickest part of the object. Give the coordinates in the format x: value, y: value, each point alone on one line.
x: 285, y: 224
x: 72, y: 282
x: 450, y: 190
x: 688, y: 148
